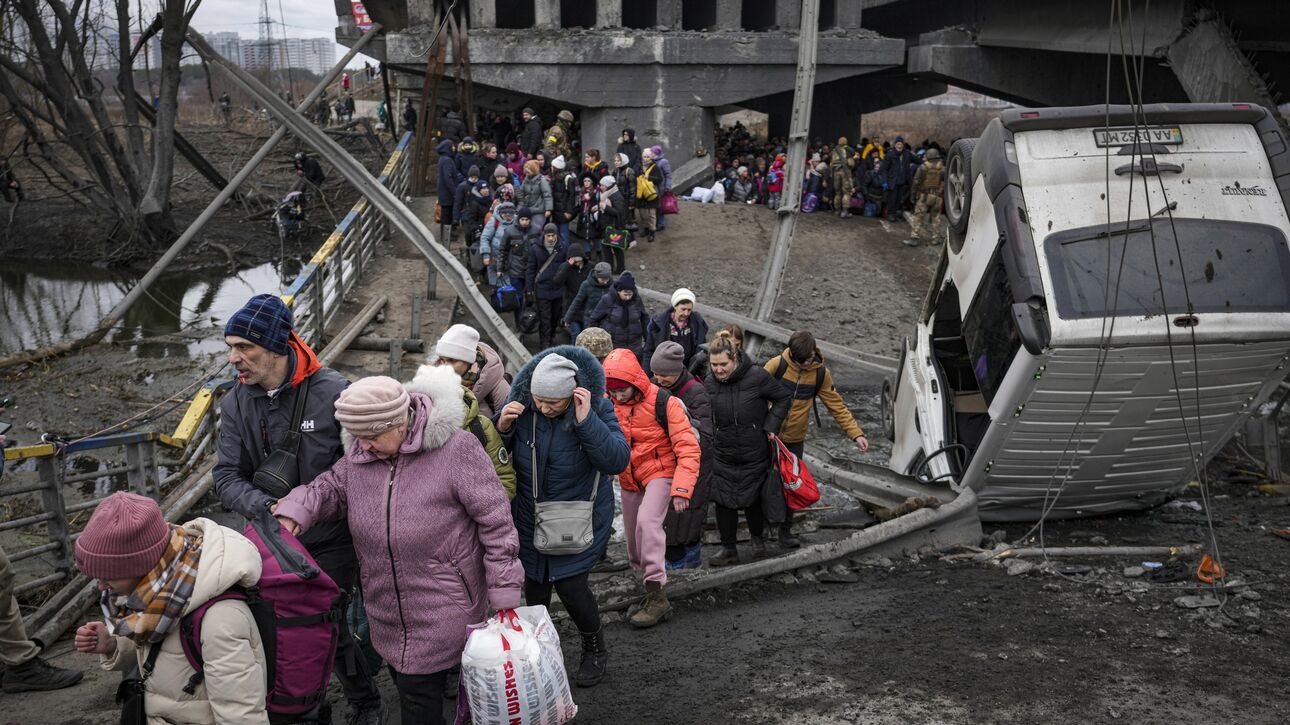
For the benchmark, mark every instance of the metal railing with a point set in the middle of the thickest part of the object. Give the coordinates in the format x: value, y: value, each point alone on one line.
x: 316, y: 297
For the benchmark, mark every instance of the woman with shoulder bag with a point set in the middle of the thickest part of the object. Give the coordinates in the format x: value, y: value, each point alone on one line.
x: 565, y: 444
x: 431, y: 525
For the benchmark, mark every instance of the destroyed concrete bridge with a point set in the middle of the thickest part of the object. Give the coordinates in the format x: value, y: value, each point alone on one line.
x: 668, y: 67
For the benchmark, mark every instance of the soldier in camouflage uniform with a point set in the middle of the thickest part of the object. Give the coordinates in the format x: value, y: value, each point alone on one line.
x: 842, y: 163
x: 556, y: 142
x: 928, y: 189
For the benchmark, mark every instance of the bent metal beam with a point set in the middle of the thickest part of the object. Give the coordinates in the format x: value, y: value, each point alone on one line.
x: 457, y: 276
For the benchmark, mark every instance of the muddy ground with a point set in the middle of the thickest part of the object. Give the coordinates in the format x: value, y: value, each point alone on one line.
x: 917, y: 639
x: 49, y: 226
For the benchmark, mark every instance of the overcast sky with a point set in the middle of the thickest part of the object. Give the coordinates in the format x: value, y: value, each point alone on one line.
x: 298, y: 18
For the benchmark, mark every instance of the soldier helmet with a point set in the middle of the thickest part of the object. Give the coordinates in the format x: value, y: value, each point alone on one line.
x: 565, y: 115
x: 932, y: 154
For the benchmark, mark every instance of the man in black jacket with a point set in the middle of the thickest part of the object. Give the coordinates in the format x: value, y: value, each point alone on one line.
x: 896, y: 167
x: 531, y: 135
x: 273, y: 366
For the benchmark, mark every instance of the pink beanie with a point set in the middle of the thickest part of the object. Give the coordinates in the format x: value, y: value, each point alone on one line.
x: 124, y: 539
x: 372, y: 405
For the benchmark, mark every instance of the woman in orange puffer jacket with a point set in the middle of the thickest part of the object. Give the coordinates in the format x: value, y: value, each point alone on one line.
x: 663, y: 471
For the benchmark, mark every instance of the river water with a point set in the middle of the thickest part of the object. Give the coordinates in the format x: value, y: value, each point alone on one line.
x: 45, y: 303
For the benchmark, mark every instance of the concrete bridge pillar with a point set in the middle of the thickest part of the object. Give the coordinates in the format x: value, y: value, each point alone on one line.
x: 678, y: 129
x: 546, y: 14
x: 669, y: 14
x: 788, y: 15
x: 729, y: 15
x: 483, y: 14
x: 847, y: 13
x: 609, y: 14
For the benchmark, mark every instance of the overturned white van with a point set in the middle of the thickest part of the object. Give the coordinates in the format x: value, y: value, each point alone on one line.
x: 1113, y: 300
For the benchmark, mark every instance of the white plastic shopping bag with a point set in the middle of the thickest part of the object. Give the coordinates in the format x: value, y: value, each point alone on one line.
x: 718, y: 193
x: 512, y: 671
x: 701, y: 195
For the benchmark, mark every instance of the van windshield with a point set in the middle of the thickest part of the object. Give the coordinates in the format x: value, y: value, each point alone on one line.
x: 1230, y: 266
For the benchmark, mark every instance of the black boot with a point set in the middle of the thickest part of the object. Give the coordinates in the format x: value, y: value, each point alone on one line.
x: 595, y: 659
x: 729, y: 556
x: 759, y: 547
x: 786, y: 538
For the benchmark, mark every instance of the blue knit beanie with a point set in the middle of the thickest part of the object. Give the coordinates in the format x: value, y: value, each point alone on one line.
x: 264, y: 320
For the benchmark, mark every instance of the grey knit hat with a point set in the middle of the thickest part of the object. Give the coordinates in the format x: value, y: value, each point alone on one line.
x: 554, y: 378
x: 668, y: 359
x: 602, y: 270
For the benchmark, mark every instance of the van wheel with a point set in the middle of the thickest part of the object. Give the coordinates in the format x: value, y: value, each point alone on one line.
x: 887, y: 411
x: 958, y: 184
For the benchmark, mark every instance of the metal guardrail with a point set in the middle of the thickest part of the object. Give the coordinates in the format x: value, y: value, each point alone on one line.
x: 316, y: 297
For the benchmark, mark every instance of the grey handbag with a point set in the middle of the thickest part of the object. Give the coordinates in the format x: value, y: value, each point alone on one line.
x: 561, y: 527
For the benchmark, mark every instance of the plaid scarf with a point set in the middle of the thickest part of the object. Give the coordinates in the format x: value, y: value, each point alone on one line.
x: 156, y: 605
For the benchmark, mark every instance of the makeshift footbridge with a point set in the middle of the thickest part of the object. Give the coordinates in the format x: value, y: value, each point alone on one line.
x: 318, y: 296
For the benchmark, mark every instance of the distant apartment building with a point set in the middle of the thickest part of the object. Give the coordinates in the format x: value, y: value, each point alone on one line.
x: 228, y: 45
x: 313, y: 54
x: 104, y: 51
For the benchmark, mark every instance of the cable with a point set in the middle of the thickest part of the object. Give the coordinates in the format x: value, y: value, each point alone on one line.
x: 1108, y: 328
x: 181, y: 394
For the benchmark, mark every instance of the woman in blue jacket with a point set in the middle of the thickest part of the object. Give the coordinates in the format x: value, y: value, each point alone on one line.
x: 559, y: 426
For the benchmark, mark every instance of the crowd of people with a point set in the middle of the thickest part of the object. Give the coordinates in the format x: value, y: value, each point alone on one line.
x: 875, y: 178
x: 538, y: 216
x: 419, y: 507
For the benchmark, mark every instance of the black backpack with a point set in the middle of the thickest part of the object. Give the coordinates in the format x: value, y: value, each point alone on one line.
x: 660, y: 412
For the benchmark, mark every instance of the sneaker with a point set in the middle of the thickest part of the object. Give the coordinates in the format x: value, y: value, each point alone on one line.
x: 675, y: 565
x: 654, y: 609
x: 37, y: 675
x: 729, y: 556
x: 911, y: 242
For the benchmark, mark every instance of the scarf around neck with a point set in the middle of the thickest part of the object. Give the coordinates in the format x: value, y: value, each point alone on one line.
x: 154, y: 608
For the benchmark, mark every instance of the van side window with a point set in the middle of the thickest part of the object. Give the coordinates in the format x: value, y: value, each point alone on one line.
x: 988, y: 328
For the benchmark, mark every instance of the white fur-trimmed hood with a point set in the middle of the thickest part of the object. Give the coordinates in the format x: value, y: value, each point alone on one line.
x: 447, y: 401
x: 444, y: 414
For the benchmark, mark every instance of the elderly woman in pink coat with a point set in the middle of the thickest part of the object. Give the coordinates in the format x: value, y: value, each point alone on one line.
x: 431, y: 525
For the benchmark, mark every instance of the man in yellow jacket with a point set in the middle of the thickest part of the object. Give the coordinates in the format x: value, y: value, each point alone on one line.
x: 800, y: 369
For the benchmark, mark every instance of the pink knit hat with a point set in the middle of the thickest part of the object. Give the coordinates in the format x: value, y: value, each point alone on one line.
x: 372, y: 405
x: 124, y: 539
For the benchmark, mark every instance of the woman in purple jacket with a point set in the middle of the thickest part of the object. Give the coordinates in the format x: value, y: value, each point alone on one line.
x: 431, y: 525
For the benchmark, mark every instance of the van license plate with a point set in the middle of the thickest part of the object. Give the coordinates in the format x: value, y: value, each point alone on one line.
x: 1166, y: 135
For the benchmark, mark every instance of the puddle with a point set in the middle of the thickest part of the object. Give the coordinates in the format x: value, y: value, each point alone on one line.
x: 46, y: 303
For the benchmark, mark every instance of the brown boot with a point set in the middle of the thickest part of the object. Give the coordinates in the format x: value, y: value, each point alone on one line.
x: 654, y: 609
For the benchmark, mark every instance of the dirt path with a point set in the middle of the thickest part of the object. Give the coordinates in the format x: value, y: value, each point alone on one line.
x: 850, y: 281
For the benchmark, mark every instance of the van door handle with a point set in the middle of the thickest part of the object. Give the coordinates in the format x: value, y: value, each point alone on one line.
x: 1149, y: 167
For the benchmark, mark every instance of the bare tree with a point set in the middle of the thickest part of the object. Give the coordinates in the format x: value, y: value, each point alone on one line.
x: 47, y: 75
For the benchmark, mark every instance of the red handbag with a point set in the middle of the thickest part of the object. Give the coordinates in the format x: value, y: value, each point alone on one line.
x: 800, y: 490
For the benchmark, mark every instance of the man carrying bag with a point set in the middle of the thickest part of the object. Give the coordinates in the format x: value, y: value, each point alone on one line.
x: 278, y: 430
